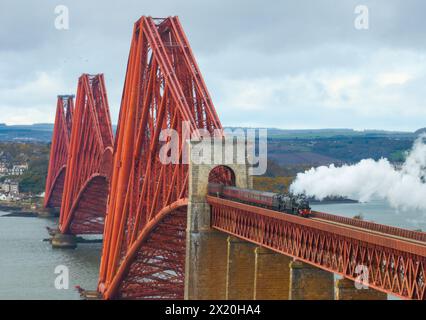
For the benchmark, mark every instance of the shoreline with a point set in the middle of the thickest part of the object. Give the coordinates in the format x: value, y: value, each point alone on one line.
x: 321, y: 202
x: 18, y: 210
x: 21, y: 214
x: 331, y: 200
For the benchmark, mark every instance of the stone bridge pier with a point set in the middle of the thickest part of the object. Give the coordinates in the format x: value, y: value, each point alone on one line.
x: 220, y: 266
x: 206, y: 264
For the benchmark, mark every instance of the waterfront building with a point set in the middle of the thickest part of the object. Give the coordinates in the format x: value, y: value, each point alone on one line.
x: 10, y: 186
x: 18, y: 170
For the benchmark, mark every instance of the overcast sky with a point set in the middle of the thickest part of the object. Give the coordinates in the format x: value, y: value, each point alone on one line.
x: 285, y: 64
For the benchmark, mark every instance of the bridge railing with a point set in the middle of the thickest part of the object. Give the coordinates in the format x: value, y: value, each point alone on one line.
x: 393, y: 265
x: 410, y: 234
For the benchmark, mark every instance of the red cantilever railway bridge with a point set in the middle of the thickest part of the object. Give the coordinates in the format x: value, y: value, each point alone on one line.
x: 145, y: 227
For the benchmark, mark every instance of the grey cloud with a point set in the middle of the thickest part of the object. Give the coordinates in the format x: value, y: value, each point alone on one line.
x: 240, y: 41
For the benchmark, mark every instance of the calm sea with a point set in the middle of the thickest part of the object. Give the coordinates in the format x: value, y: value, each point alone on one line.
x: 27, y: 264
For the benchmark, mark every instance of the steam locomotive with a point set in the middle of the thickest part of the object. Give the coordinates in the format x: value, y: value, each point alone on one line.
x: 287, y: 203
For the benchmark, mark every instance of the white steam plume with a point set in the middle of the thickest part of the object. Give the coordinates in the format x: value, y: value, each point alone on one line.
x: 403, y: 188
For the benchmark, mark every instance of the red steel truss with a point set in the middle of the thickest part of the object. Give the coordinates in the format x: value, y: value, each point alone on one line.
x: 223, y: 175
x: 59, y: 151
x: 89, y: 162
x: 404, y: 233
x: 396, y: 265
x: 144, y: 237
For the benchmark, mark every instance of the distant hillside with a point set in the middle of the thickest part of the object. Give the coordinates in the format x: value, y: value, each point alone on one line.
x: 329, y: 133
x: 26, y: 133
x: 286, y: 148
x: 42, y: 132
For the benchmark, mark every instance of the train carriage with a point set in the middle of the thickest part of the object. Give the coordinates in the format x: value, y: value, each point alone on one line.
x: 287, y: 203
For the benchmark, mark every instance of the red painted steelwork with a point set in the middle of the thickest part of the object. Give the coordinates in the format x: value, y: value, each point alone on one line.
x: 222, y: 175
x: 410, y: 234
x: 144, y: 247
x: 89, y: 160
x: 395, y: 265
x: 158, y: 262
x: 59, y: 151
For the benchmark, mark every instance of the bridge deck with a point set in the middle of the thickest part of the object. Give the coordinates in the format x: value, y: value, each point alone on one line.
x: 396, y: 264
x: 423, y: 243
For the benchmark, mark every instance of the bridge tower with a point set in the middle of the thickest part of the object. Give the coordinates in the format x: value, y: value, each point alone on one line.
x: 89, y: 164
x: 59, y: 152
x: 164, y: 98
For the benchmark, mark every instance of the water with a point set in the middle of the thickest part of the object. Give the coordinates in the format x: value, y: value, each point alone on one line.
x: 27, y: 264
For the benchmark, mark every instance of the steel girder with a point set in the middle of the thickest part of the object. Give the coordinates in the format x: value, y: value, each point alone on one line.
x: 163, y: 88
x: 222, y: 175
x: 410, y: 234
x: 59, y: 151
x: 89, y: 161
x: 394, y: 266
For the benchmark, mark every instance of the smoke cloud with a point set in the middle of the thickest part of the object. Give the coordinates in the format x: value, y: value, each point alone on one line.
x: 403, y: 188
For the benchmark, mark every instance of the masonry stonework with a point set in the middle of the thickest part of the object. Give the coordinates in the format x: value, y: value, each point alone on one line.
x: 240, y: 271
x: 346, y: 290
x: 310, y: 283
x: 206, y: 249
x: 271, y: 275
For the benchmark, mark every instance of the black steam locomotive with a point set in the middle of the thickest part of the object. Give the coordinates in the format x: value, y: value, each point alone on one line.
x: 288, y: 203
